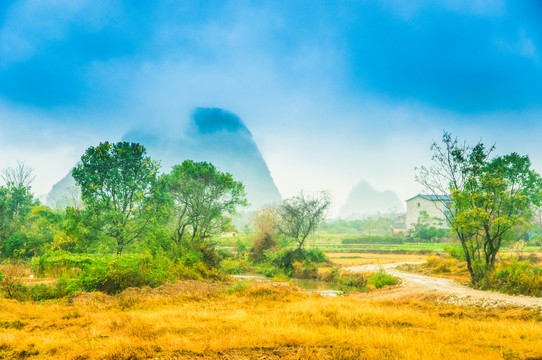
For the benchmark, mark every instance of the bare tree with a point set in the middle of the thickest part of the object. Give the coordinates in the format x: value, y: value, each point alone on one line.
x: 301, y: 214
x: 21, y: 175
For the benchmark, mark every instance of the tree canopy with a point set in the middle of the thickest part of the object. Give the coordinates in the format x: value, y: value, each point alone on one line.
x: 490, y: 196
x: 202, y: 199
x: 116, y: 181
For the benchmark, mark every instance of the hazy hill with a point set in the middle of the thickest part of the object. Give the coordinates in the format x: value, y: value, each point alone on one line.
x: 364, y: 200
x: 213, y: 135
x: 220, y: 137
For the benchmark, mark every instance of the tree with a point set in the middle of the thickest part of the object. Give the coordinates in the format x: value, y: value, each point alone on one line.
x: 116, y: 181
x: 18, y: 176
x: 489, y: 197
x: 425, y: 229
x: 202, y: 198
x: 301, y: 214
x: 16, y: 203
x: 265, y: 221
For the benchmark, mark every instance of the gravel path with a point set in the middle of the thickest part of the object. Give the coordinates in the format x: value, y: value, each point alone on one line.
x: 454, y: 292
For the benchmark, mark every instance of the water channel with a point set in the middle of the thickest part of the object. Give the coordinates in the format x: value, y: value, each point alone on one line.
x: 312, y: 286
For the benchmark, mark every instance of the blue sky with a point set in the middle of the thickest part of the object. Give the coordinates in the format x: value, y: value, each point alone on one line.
x: 333, y: 91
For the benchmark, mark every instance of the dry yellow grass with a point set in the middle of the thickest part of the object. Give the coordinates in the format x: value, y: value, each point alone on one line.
x: 201, y: 320
x: 355, y: 259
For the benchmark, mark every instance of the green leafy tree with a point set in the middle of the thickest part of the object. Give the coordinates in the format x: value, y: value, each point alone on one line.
x: 300, y: 216
x: 16, y: 202
x: 426, y: 229
x: 39, y: 231
x: 202, y: 200
x: 490, y: 196
x: 116, y: 183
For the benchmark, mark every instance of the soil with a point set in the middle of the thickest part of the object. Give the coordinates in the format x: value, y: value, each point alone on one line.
x: 446, y: 290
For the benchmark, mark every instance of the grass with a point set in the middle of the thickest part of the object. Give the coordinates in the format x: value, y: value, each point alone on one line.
x: 192, y: 319
x: 438, y: 266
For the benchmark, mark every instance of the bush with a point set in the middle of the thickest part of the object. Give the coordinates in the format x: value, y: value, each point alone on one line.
x: 455, y: 252
x: 349, y: 281
x: 284, y: 260
x: 381, y: 279
x: 56, y: 264
x: 236, y: 266
x: 124, y: 272
x: 375, y: 239
x: 515, y: 277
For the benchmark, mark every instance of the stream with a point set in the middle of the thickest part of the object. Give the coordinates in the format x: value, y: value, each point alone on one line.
x: 312, y: 286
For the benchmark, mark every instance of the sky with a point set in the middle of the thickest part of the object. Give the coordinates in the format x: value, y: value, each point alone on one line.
x: 334, y: 92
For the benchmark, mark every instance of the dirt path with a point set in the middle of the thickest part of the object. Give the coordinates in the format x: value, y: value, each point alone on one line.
x: 449, y: 290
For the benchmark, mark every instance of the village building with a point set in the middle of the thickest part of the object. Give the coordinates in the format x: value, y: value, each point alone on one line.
x: 432, y: 205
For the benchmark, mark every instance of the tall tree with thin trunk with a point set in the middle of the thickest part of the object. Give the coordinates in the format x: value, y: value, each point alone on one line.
x: 487, y: 197
x: 301, y: 214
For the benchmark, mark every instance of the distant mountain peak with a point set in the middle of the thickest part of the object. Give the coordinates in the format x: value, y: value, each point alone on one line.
x: 214, y: 135
x: 364, y: 200
x: 213, y: 120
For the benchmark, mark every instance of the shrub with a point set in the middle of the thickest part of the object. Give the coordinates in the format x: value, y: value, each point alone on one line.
x: 349, y: 281
x: 236, y: 266
x: 56, y: 264
x: 123, y: 272
x: 515, y: 277
x: 455, y: 252
x: 381, y: 279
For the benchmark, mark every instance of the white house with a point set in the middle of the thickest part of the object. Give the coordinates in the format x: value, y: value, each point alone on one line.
x: 433, y: 205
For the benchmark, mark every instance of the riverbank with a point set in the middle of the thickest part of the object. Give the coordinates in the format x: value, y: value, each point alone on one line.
x: 194, y: 320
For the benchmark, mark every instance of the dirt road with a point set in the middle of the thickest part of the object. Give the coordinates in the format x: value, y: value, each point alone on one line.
x: 448, y: 290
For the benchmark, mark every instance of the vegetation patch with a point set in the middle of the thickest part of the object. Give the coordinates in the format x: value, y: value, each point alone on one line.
x: 516, y: 277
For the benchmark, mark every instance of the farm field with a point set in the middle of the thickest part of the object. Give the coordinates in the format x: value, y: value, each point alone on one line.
x: 194, y: 320
x: 364, y: 258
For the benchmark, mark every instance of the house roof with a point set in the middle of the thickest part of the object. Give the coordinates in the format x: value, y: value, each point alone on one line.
x: 432, y: 197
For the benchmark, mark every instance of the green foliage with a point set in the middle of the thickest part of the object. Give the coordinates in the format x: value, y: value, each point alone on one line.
x: 489, y: 197
x: 381, y: 279
x: 455, y: 252
x: 201, y: 199
x: 62, y: 288
x: 362, y: 282
x: 349, y: 281
x: 59, y: 263
x: 236, y: 266
x: 515, y: 277
x: 425, y: 230
x: 16, y: 202
x: 293, y: 262
x: 116, y: 182
x: 123, y: 272
x: 374, y: 239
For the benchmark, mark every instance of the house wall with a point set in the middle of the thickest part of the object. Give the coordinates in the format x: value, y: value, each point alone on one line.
x: 418, y: 204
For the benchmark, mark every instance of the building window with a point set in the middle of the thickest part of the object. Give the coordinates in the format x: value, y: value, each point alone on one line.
x: 418, y: 204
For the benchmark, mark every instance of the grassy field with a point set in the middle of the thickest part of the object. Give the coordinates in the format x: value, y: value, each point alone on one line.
x: 355, y: 259
x: 217, y: 321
